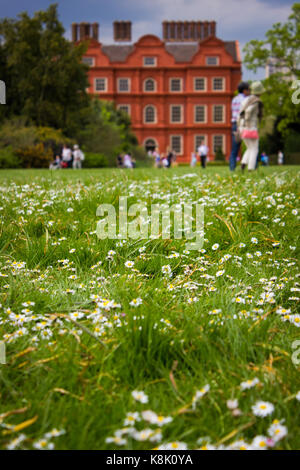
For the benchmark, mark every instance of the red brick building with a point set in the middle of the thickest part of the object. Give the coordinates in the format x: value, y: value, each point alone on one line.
x: 177, y: 90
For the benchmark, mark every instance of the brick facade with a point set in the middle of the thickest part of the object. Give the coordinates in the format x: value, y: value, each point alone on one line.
x: 173, y: 92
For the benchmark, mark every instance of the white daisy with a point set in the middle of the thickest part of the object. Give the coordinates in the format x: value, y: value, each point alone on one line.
x: 262, y: 408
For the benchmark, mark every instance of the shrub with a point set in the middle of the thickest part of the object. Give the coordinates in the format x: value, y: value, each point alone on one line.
x: 8, y: 159
x: 95, y: 160
x: 219, y: 155
x: 217, y: 163
x: 35, y: 156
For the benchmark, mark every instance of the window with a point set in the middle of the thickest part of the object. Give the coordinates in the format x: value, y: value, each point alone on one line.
x: 90, y: 61
x: 176, y: 143
x: 125, y: 108
x: 200, y: 113
x: 101, y: 84
x: 176, y: 113
x: 212, y: 60
x: 218, y: 113
x: 199, y: 84
x: 198, y: 140
x: 176, y: 84
x: 149, y: 84
x: 218, y: 143
x: 149, y: 61
x: 150, y: 114
x: 150, y: 144
x: 123, y: 85
x: 218, y: 84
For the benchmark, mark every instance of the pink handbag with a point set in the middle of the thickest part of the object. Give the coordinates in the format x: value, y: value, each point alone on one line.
x: 249, y: 134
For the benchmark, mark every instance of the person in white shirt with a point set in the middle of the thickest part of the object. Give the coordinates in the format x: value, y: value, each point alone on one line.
x: 280, y: 157
x: 77, y: 157
x: 203, y: 153
x: 66, y: 156
x: 127, y: 162
x: 243, y: 92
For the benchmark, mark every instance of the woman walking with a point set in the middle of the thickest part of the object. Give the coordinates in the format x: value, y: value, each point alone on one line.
x: 248, y: 123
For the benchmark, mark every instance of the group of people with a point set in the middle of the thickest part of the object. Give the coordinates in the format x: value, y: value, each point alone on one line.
x: 125, y: 160
x: 68, y: 158
x: 162, y: 160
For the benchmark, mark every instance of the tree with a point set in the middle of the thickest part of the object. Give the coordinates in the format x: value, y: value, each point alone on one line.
x: 105, y: 129
x: 45, y: 78
x: 282, y: 48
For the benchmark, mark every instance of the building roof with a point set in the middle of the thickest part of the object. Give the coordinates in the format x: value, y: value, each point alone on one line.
x: 180, y: 52
x: 117, y: 53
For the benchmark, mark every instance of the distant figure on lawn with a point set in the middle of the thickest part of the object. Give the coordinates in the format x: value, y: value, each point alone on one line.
x: 171, y: 157
x: 127, y: 161
x: 120, y: 161
x: 66, y: 157
x: 56, y: 164
x: 203, y: 153
x: 264, y: 159
x: 78, y: 157
x: 280, y: 157
x: 156, y: 156
x: 193, y: 159
x: 248, y: 122
x: 243, y: 92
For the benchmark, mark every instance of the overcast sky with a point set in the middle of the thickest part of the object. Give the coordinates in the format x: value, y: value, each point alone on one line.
x: 236, y: 19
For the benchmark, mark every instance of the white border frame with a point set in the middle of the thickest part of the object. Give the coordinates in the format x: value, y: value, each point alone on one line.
x: 181, y: 143
x: 118, y: 84
x: 144, y: 114
x: 213, y: 114
x: 170, y: 84
x: 105, y: 81
x: 205, y: 114
x: 205, y: 85
x: 223, y: 81
x: 144, y: 85
x: 181, y: 114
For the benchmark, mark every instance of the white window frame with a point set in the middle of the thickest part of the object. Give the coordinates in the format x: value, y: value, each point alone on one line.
x: 205, y: 85
x: 181, y: 143
x: 195, y: 141
x: 105, y: 84
x: 155, y: 114
x: 181, y: 84
x: 223, y: 84
x: 205, y: 114
x: 212, y: 65
x: 223, y: 143
x: 144, y: 85
x: 119, y: 106
x: 149, y: 57
x: 181, y: 113
x: 129, y: 84
x: 88, y: 57
x: 213, y: 114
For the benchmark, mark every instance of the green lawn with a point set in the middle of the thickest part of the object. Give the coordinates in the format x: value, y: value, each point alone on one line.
x: 77, y: 346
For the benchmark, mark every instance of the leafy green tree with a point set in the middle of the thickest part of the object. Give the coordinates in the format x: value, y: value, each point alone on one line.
x: 46, y: 80
x: 105, y: 130
x: 282, y: 46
